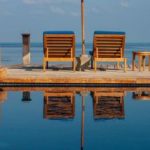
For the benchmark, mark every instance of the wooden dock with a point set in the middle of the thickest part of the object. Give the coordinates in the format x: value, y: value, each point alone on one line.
x: 34, y: 75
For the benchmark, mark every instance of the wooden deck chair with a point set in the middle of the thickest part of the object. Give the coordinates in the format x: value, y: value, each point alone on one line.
x: 59, y: 46
x: 109, y: 47
x: 59, y: 105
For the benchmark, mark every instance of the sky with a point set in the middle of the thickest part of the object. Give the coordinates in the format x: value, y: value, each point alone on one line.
x: 36, y: 16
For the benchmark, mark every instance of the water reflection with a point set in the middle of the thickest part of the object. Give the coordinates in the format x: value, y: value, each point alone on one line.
x: 108, y: 104
x: 26, y: 96
x: 141, y: 95
x: 60, y: 103
x: 3, y: 95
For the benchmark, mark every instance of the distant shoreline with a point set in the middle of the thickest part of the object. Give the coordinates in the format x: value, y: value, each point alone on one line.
x: 78, y: 44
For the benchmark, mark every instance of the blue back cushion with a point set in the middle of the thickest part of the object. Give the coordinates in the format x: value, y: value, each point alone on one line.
x: 58, y: 32
x: 109, y: 32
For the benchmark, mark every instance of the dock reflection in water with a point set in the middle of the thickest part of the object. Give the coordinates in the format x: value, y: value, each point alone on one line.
x: 83, y: 107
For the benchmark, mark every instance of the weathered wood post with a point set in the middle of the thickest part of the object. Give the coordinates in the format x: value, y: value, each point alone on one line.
x: 26, y: 48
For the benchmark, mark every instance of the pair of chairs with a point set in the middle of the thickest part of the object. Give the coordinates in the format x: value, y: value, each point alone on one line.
x: 60, y: 46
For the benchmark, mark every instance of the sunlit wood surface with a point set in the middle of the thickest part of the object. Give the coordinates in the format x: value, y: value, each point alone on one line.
x: 35, y: 74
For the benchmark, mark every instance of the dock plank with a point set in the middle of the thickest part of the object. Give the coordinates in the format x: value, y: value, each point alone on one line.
x: 36, y: 75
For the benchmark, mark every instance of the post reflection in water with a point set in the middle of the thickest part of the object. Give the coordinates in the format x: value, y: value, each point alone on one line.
x: 82, y: 122
x: 83, y: 95
x: 26, y: 96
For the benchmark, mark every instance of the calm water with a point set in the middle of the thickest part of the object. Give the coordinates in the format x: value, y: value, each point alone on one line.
x: 62, y: 119
x: 57, y: 118
x: 11, y: 53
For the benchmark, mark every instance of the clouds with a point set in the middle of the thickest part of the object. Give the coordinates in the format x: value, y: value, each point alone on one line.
x: 31, y: 2
x: 95, y: 10
x: 125, y: 3
x: 62, y: 7
x: 3, y: 1
x: 74, y: 14
x: 57, y: 10
x: 57, y: 7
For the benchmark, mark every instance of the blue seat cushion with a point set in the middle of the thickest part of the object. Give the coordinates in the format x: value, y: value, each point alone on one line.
x: 58, y: 32
x: 109, y: 32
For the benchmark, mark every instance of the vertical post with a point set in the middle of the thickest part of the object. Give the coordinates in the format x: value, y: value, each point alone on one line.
x: 26, y: 48
x: 149, y: 63
x: 0, y: 58
x: 82, y: 27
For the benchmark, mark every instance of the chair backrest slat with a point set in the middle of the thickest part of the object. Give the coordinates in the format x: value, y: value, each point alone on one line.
x: 109, y: 45
x: 59, y: 45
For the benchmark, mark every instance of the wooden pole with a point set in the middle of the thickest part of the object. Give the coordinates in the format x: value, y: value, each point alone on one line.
x: 0, y: 57
x: 82, y: 27
x: 26, y: 48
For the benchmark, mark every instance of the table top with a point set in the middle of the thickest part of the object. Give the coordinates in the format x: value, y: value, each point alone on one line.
x: 141, y: 53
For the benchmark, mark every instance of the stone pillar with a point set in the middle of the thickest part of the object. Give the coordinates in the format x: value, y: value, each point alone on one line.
x: 26, y: 48
x: 3, y: 72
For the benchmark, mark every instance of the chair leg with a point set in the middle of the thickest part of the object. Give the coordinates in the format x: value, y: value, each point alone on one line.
x: 74, y: 65
x: 92, y: 63
x: 125, y: 65
x: 118, y: 65
x: 95, y: 66
x: 133, y: 62
x: 140, y: 59
x: 44, y: 65
x: 47, y: 64
x: 143, y: 62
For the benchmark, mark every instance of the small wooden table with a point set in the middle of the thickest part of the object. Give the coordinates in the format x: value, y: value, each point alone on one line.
x: 141, y: 60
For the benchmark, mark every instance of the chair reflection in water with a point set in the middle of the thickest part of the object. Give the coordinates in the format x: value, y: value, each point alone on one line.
x: 108, y: 105
x: 3, y: 96
x: 141, y: 95
x: 59, y: 105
